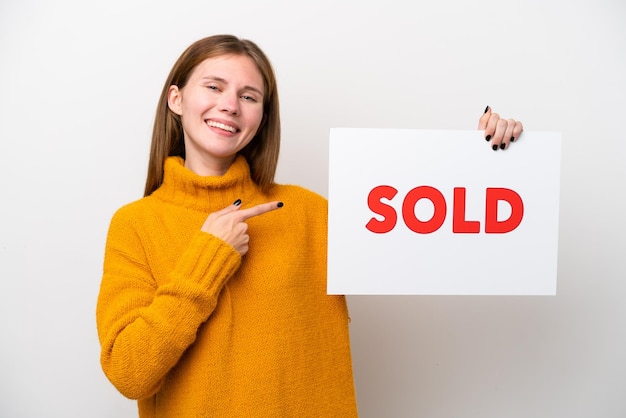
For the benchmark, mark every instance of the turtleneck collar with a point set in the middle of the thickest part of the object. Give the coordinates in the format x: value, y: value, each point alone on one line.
x: 183, y: 187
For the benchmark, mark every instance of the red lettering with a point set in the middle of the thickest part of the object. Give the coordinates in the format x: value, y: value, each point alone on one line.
x: 459, y: 224
x: 494, y: 195
x: 378, y: 207
x: 408, y: 209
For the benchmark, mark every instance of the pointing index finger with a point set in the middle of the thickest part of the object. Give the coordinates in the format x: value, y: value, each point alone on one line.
x: 257, y: 210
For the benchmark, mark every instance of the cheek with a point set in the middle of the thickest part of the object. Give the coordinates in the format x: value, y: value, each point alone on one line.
x: 259, y: 124
x: 258, y: 121
x: 193, y: 102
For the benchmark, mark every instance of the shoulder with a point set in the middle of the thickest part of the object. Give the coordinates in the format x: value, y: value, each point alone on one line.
x: 294, y: 194
x: 131, y: 213
x: 303, y: 207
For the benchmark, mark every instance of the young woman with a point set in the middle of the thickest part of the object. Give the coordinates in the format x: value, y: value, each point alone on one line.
x: 213, y: 298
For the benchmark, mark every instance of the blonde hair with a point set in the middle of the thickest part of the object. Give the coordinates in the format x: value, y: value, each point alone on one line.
x: 167, y: 133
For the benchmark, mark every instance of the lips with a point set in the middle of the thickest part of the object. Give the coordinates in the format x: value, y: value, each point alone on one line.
x: 223, y: 126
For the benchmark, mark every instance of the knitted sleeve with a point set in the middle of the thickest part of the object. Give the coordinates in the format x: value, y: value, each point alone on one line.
x: 144, y: 328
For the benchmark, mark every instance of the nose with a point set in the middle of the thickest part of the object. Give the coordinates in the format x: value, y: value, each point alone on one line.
x: 229, y: 103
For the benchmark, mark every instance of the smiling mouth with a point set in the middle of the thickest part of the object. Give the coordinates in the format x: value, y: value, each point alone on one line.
x: 222, y: 126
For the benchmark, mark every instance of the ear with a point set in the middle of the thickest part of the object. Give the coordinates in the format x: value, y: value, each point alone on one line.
x: 174, y: 100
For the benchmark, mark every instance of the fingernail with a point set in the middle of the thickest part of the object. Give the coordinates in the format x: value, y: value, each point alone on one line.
x: 237, y: 202
x: 488, y: 138
x: 512, y: 138
x: 495, y: 148
x: 279, y: 204
x: 502, y: 145
x: 486, y: 109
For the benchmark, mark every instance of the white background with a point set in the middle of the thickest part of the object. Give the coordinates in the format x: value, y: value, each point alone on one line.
x: 79, y: 83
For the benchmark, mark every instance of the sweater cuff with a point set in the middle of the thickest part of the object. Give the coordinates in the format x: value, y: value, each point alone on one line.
x: 207, y: 261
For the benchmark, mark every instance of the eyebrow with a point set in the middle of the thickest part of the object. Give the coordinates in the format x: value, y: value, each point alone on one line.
x: 221, y: 80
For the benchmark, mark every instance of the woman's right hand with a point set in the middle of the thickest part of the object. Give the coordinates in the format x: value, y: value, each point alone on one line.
x: 229, y: 224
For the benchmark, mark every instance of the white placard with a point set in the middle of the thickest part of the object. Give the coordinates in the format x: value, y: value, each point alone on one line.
x: 433, y: 212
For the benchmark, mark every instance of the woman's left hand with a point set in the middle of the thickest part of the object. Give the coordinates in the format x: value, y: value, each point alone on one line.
x: 501, y: 132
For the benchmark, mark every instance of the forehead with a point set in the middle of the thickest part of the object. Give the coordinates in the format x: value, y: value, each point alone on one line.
x: 230, y: 68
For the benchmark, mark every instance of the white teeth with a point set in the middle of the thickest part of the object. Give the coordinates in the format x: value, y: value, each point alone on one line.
x: 221, y: 126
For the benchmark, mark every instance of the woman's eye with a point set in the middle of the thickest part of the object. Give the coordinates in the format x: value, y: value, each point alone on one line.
x: 248, y: 98
x: 212, y: 88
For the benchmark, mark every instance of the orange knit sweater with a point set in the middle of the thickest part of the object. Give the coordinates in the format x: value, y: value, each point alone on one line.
x: 192, y: 329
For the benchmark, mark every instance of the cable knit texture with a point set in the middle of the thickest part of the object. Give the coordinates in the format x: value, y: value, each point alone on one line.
x: 192, y: 329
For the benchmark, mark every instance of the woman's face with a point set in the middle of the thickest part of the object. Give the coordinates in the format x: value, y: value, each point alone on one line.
x: 221, y: 109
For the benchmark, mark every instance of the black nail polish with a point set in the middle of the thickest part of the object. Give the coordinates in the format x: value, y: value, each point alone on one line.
x: 486, y: 109
x: 502, y: 145
x: 237, y: 202
x: 495, y: 147
x: 488, y: 138
x: 512, y: 138
x: 280, y: 204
